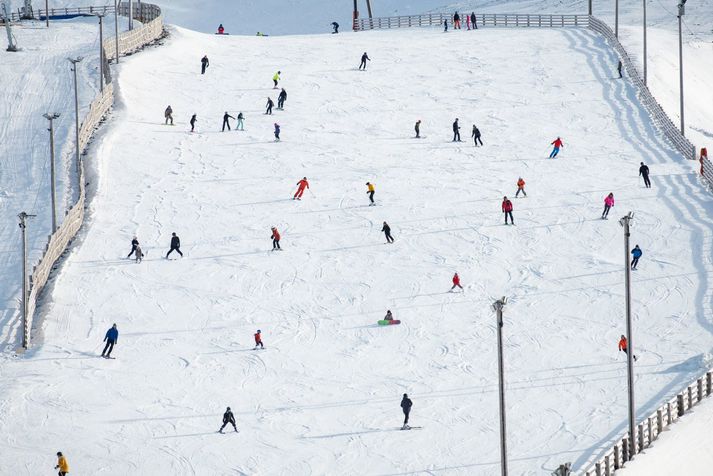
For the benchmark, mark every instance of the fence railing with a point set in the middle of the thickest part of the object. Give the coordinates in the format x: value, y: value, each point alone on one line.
x: 129, y: 42
x: 41, y: 13
x: 707, y: 171
x: 490, y: 19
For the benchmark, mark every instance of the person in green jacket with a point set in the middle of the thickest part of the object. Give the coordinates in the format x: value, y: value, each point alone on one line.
x: 276, y: 78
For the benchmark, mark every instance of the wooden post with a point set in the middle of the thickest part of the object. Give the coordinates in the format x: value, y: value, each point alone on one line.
x: 690, y: 396
x: 659, y: 421
x: 700, y: 389
x: 641, y: 437
x: 650, y: 430
x: 625, y: 450
x: 681, y: 409
x: 598, y: 468
x: 617, y: 455
x: 709, y: 379
x: 669, y: 416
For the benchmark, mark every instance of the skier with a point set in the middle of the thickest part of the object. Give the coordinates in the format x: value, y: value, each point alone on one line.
x: 204, y: 64
x: 335, y: 25
x: 226, y: 116
x: 134, y: 244
x: 387, y: 232
x: 389, y: 316
x: 456, y: 21
x: 406, y: 405
x: 417, y: 127
x: 277, y: 132
x: 445, y: 25
x: 507, y: 210
x: 111, y: 337
x: 618, y: 68
x: 139, y: 254
x: 301, y: 185
x: 269, y: 106
x: 456, y: 131
x: 476, y: 136
x: 228, y: 417
x: 608, y: 203
x: 276, y: 78
x: 456, y: 282
x: 364, y: 59
x: 168, y: 114
x: 636, y: 253
x: 258, y: 340
x: 557, y: 143
x: 239, y: 125
x: 520, y: 187
x: 467, y: 21
x: 221, y: 30
x: 175, y: 245
x: 472, y: 21
x: 275, y: 239
x: 62, y: 464
x: 644, y: 172
x: 193, y: 122
x: 623, y: 345
x: 370, y: 191
x: 281, y: 99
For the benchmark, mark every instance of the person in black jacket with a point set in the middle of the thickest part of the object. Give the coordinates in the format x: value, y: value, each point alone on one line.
x: 193, y: 122
x: 204, y: 64
x: 281, y: 99
x: 175, y: 245
x: 476, y: 136
x: 417, y: 128
x: 406, y: 405
x: 226, y: 116
x: 134, y: 244
x: 364, y: 59
x: 335, y: 25
x: 269, y: 106
x: 472, y: 21
x: 387, y: 232
x: 228, y: 418
x: 456, y: 131
x: 644, y: 172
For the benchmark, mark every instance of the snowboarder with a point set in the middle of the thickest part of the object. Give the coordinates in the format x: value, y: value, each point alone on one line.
x: 387, y: 232
x: 204, y: 64
x: 275, y: 239
x: 445, y: 25
x: 111, y: 337
x: 134, y: 244
x: 301, y: 185
x: 277, y: 132
x: 194, y: 119
x: 608, y: 203
x: 335, y: 25
x: 370, y: 191
x: 476, y: 136
x: 281, y: 99
x: 168, y: 114
x: 618, y: 69
x: 636, y: 253
x: 139, y: 253
x: 258, y: 339
x: 507, y: 210
x: 175, y: 245
x: 364, y: 59
x: 417, y: 128
x: 456, y: 21
x: 456, y: 131
x: 557, y: 143
x: 62, y: 464
x: 269, y: 106
x: 520, y: 187
x: 226, y: 116
x: 239, y: 124
x: 276, y: 78
x: 644, y: 172
x: 623, y: 345
x: 389, y: 316
x: 221, y: 30
x: 456, y: 282
x: 472, y: 21
x: 406, y: 405
x: 228, y: 418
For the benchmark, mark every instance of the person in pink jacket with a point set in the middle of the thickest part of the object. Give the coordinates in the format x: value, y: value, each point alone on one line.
x: 608, y: 203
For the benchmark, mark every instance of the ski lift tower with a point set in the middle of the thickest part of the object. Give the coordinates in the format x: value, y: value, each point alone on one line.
x: 4, y: 13
x: 356, y: 12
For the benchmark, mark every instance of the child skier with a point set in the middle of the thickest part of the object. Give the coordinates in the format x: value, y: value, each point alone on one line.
x: 456, y: 282
x: 301, y: 185
x: 277, y: 132
x: 138, y: 252
x: 520, y: 187
x: 507, y: 210
x: 370, y: 191
x: 258, y: 340
x: 239, y: 124
x: 276, y: 78
x: 608, y: 203
x: 275, y: 239
x: 636, y: 254
x: 557, y: 143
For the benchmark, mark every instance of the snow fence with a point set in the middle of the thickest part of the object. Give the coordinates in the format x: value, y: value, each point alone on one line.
x: 150, y: 30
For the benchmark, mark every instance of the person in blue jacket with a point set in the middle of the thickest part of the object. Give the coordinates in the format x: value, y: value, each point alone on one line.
x: 277, y: 132
x: 112, y: 335
x: 636, y: 253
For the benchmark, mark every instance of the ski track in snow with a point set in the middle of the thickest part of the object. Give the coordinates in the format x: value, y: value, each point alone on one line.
x: 322, y: 398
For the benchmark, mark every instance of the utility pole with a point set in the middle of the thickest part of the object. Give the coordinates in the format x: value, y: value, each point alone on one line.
x: 498, y: 308
x: 47, y: 13
x: 645, y: 56
x: 616, y: 18
x: 116, y: 30
x: 625, y: 222
x: 681, y: 12
x: 368, y: 8
x: 590, y: 7
x: 76, y: 109
x: 131, y: 15
x: 23, y: 224
x: 101, y: 52
x: 51, y: 117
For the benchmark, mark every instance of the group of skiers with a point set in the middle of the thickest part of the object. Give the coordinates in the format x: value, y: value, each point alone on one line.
x: 475, y: 133
x: 469, y: 20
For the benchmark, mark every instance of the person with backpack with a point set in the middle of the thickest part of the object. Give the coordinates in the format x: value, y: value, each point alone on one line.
x: 387, y: 232
x: 281, y: 99
x: 258, y: 339
x: 168, y: 115
x: 417, y: 128
x: 277, y: 132
x: 644, y: 172
x: 507, y: 210
x: 476, y: 136
x: 269, y: 105
x: 226, y: 122
x: 456, y: 282
x: 175, y: 245
x: 239, y: 124
x: 301, y: 186
x: 557, y: 143
x: 275, y: 239
x: 406, y: 405
x: 636, y: 254
x: 370, y: 191
x: 228, y: 418
x: 608, y: 204
x: 456, y: 131
x: 520, y: 187
x: 193, y: 121
x: 204, y: 64
x: 111, y: 338
x: 276, y: 78
x: 364, y: 59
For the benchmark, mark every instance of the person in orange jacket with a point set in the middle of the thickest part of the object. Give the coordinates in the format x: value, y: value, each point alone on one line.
x: 62, y: 464
x: 301, y: 185
x: 520, y: 187
x: 456, y: 282
x: 258, y: 339
x: 623, y: 345
x: 275, y: 239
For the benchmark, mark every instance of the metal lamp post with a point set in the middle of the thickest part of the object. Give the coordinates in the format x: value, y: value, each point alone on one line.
x: 116, y: 30
x: 645, y: 55
x: 616, y: 18
x: 498, y: 308
x: 681, y: 12
x: 23, y: 225
x: 47, y: 13
x: 76, y: 109
x: 625, y: 222
x: 101, y: 52
x: 51, y: 117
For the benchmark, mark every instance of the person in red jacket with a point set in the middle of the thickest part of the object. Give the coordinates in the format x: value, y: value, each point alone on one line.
x: 557, y: 143
x: 623, y: 344
x: 456, y: 282
x: 301, y: 185
x: 258, y: 340
x: 275, y: 239
x: 507, y: 210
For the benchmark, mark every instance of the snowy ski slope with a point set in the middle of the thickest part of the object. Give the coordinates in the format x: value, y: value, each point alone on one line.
x: 323, y: 397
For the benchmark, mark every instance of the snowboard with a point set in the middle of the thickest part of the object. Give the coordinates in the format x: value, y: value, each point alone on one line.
x: 384, y: 322
x: 410, y: 427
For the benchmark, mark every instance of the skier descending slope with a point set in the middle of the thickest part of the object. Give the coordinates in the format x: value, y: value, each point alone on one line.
x: 406, y: 405
x: 275, y: 236
x: 636, y: 254
x: 281, y: 99
x: 456, y: 282
x: 476, y: 136
x: 204, y: 64
x: 387, y: 232
x: 228, y: 418
x: 370, y: 191
x: 111, y: 338
x: 507, y: 210
x: 301, y: 185
x: 277, y: 132
x: 623, y: 345
x: 520, y: 187
x: 269, y: 106
x: 557, y: 143
x: 276, y: 78
x: 644, y: 172
x: 258, y: 339
x: 608, y: 203
x: 364, y: 59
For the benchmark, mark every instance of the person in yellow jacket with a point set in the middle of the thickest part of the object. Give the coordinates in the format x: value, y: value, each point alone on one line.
x: 276, y: 78
x: 520, y: 187
x: 62, y: 464
x: 370, y: 192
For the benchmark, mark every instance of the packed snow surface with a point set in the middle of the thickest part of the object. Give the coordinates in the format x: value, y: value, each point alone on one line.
x: 323, y: 398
